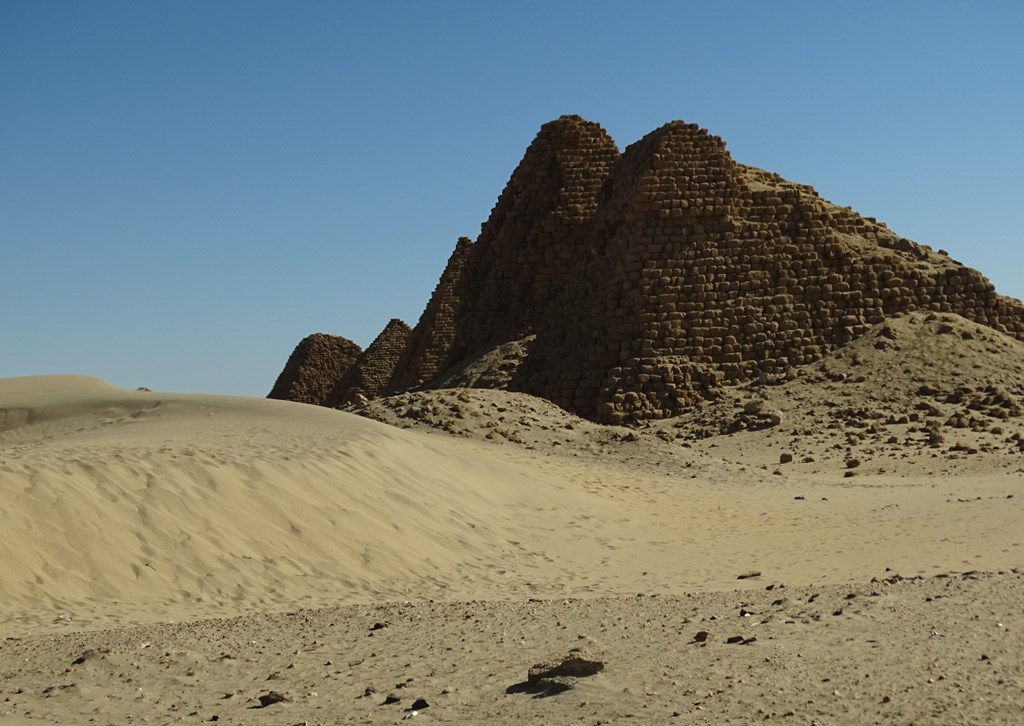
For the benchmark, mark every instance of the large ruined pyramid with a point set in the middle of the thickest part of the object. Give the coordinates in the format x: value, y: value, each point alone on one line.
x: 639, y: 282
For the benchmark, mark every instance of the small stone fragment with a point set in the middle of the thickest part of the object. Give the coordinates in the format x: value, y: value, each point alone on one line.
x: 558, y: 684
x: 576, y: 664
x: 272, y: 697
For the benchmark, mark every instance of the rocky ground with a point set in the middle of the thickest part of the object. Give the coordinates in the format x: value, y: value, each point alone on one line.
x: 940, y: 650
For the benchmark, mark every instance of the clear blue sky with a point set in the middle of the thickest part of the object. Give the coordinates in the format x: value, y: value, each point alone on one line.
x: 188, y: 188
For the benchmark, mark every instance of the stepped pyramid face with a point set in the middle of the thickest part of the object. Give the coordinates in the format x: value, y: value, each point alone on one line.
x: 675, y: 180
x: 648, y: 279
x: 373, y: 371
x: 314, y: 368
x: 497, y: 289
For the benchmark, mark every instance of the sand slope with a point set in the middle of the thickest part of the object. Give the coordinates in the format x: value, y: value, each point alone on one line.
x: 190, y: 505
x: 126, y: 506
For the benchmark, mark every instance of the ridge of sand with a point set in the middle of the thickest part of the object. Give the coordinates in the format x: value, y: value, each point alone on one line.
x: 134, y: 506
x: 146, y: 504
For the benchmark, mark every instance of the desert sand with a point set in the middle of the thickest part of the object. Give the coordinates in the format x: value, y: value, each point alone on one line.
x: 860, y: 536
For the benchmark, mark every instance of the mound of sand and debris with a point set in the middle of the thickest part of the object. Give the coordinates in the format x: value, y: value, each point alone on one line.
x: 927, y: 390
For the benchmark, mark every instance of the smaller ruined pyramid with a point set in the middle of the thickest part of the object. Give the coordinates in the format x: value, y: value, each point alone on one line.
x: 314, y: 368
x: 429, y: 348
x: 372, y: 373
x: 639, y: 282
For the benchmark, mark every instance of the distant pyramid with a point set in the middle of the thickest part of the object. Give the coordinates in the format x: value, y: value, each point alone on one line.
x: 314, y: 367
x: 429, y: 349
x: 643, y: 281
x: 373, y: 371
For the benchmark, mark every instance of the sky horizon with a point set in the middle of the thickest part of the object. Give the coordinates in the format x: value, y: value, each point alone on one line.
x: 188, y: 189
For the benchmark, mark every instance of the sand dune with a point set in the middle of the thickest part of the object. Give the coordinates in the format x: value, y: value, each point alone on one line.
x: 187, y: 505
x: 123, y: 506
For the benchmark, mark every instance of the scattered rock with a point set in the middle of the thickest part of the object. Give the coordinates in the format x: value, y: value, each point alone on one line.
x: 748, y: 575
x: 552, y: 677
x: 576, y: 664
x: 272, y: 697
x: 89, y: 654
x: 557, y: 684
